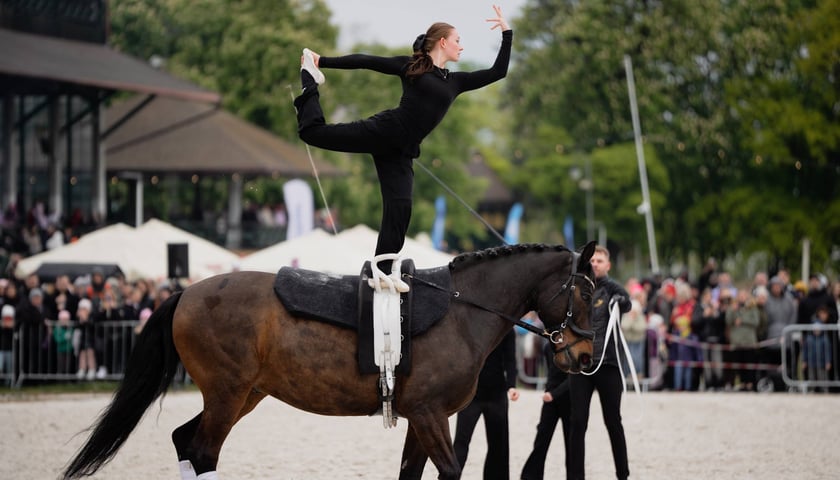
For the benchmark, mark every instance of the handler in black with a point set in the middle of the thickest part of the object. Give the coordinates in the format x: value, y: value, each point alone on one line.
x: 496, y: 382
x: 607, y: 380
x: 393, y: 136
x: 555, y: 408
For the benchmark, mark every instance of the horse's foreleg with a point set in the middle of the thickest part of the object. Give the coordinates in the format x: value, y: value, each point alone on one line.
x: 413, y: 457
x: 432, y: 433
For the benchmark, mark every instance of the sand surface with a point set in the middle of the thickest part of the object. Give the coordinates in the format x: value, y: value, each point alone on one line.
x: 669, y: 436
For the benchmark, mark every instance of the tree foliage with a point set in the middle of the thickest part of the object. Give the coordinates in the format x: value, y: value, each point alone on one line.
x: 738, y: 101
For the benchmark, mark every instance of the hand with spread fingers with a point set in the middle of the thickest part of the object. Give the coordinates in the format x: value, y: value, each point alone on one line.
x: 499, y: 21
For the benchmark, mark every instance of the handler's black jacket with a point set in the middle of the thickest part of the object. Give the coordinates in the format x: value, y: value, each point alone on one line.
x: 605, y: 289
x: 499, y: 371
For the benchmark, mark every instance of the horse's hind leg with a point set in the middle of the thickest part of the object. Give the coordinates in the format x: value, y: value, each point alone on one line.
x: 199, y: 441
x: 413, y: 457
x: 432, y: 432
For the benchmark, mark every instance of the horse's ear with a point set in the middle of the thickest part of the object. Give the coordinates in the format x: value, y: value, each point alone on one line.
x: 586, y: 253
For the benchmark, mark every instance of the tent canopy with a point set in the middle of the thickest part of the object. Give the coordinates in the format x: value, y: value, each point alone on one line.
x: 342, y: 254
x: 139, y: 253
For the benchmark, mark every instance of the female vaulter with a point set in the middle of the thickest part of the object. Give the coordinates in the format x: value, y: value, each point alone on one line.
x: 393, y: 136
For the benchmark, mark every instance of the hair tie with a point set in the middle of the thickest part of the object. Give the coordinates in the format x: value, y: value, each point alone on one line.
x: 419, y: 43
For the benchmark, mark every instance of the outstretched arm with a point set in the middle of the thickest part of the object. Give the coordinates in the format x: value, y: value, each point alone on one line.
x: 481, y: 78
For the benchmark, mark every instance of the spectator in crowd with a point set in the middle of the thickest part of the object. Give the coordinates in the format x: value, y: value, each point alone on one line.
x: 63, y: 298
x: 663, y: 302
x: 760, y: 294
x: 496, y: 383
x: 555, y: 408
x: 724, y: 283
x: 760, y: 279
x: 97, y: 288
x: 634, y: 325
x: 63, y: 337
x: 817, y: 295
x: 817, y: 355
x: 781, y: 312
x: 742, y: 321
x: 7, y: 335
x: 685, y: 353
x: 87, y: 341
x: 710, y: 325
x: 4, y: 282
x: 54, y: 238
x: 708, y: 276
x: 29, y: 317
x: 12, y: 294
x: 113, y: 339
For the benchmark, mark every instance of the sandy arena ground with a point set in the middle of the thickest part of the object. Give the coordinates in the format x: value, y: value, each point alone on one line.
x: 669, y: 436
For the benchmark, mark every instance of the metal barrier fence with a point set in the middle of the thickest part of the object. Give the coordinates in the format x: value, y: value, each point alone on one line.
x: 800, y: 341
x: 51, y: 352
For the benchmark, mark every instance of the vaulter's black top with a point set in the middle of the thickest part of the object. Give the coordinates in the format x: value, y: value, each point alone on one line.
x: 425, y: 99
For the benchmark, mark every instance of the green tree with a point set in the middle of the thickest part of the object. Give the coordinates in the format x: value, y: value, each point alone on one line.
x: 712, y: 80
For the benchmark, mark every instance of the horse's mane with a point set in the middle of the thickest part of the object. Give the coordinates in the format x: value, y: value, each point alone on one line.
x: 504, y: 250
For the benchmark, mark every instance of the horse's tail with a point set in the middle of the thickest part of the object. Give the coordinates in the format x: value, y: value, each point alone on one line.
x: 148, y: 374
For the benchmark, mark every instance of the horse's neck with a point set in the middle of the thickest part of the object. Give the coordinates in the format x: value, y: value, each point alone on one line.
x: 505, y: 285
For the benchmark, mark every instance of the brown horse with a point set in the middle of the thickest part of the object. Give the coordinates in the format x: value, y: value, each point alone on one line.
x: 239, y: 345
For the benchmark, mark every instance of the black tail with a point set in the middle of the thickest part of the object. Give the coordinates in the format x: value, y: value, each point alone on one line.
x: 149, y: 372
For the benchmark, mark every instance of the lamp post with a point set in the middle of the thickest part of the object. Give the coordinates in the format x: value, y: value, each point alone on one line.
x: 585, y: 183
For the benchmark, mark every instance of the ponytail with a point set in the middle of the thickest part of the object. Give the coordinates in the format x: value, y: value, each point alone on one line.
x: 421, y: 61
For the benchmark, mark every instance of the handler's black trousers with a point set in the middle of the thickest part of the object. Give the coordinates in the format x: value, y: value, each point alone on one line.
x: 550, y: 414
x: 495, y: 411
x: 393, y: 160
x: 608, y: 383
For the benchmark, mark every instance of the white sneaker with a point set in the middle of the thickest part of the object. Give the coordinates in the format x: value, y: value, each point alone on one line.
x: 91, y: 374
x: 101, y: 373
x: 309, y: 66
x: 80, y: 374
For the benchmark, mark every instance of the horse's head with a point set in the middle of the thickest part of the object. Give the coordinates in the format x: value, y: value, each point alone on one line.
x: 563, y: 304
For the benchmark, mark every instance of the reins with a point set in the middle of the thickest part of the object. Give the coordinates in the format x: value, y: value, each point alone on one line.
x: 555, y: 336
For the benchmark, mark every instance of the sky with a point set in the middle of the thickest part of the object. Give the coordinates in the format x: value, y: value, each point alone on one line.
x: 396, y: 23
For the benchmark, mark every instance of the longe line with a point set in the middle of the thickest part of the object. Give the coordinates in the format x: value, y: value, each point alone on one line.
x: 451, y: 192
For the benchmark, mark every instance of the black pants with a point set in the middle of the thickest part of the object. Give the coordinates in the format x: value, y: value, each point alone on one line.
x: 608, y: 383
x: 392, y: 155
x: 551, y: 413
x: 495, y: 411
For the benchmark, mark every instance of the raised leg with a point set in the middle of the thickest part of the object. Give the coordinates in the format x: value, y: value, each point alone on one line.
x: 413, y: 457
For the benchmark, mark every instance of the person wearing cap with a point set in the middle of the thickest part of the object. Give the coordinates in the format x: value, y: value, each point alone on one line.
x: 7, y: 336
x: 87, y: 354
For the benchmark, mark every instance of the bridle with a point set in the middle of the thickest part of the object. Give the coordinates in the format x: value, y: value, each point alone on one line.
x: 555, y: 336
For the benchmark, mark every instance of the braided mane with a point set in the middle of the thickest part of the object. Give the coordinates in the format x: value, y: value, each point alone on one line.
x: 502, y: 251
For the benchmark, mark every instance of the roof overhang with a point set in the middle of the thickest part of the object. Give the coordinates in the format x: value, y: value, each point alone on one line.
x: 29, y: 63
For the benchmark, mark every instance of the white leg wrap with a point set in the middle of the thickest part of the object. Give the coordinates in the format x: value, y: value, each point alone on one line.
x: 186, y: 469
x: 208, y: 476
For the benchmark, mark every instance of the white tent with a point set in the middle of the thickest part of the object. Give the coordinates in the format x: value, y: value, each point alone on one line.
x: 424, y: 255
x: 140, y: 253
x: 343, y: 254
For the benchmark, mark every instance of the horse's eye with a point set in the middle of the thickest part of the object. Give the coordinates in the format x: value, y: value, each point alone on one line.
x: 586, y: 297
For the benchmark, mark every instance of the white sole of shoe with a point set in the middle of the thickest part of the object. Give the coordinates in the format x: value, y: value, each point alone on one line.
x: 309, y: 66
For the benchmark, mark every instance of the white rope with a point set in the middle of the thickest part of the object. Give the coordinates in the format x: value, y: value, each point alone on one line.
x: 614, y: 328
x: 315, y: 171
